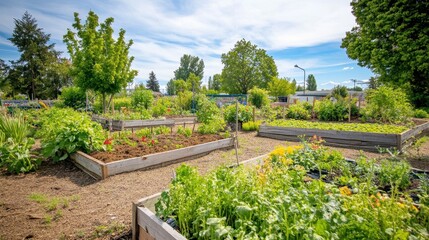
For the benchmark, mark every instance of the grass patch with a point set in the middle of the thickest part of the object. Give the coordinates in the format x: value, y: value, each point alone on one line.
x: 52, y: 205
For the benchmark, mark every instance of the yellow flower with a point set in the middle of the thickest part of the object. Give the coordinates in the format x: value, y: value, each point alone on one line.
x: 278, y: 151
x: 345, y: 191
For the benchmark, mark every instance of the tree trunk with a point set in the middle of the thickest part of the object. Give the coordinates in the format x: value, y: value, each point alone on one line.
x: 104, y: 102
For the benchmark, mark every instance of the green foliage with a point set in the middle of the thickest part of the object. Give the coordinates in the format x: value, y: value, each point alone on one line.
x: 187, y: 132
x: 212, y: 127
x: 246, y: 66
x: 258, y: 97
x: 386, y: 104
x: 328, y: 110
x: 183, y: 101
x: 142, y: 114
x: 277, y: 200
x: 122, y: 102
x: 354, y: 127
x: 190, y: 64
x: 171, y: 89
x: 251, y: 126
x: 152, y: 83
x: 339, y: 92
x: 207, y: 111
x: 420, y: 113
x: 244, y: 113
x: 65, y: 131
x: 73, y: 97
x: 395, y: 174
x: 161, y: 107
x: 298, y: 111
x: 280, y: 87
x: 141, y: 99
x: 215, y: 83
x: 391, y: 39
x: 311, y: 83
x: 14, y: 127
x: 100, y: 62
x: 16, y: 155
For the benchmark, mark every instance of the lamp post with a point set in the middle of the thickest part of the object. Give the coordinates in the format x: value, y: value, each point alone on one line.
x: 304, y: 75
x: 354, y: 84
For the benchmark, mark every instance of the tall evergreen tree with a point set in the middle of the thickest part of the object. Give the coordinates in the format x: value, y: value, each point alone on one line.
x: 152, y: 83
x: 189, y: 64
x: 216, y: 82
x: 36, y: 56
x: 171, y: 90
x: 210, y: 83
x: 311, y: 83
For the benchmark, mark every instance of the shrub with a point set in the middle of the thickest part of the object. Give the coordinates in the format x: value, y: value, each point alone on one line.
x: 251, y: 126
x: 420, y: 113
x: 207, y: 111
x: 339, y: 92
x: 65, y: 131
x: 244, y: 113
x: 327, y: 110
x: 386, y: 104
x: 141, y: 98
x: 73, y: 97
x: 161, y: 107
x: 212, y: 127
x: 298, y: 111
x: 183, y: 101
x: 122, y: 102
x: 14, y: 127
x: 258, y: 97
x: 187, y: 132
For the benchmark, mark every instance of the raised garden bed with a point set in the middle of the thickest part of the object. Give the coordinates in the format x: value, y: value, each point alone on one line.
x: 350, y: 205
x: 120, y: 125
x: 158, y: 155
x: 349, y: 139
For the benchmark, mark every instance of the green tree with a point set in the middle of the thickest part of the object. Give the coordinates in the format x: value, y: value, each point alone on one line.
x: 339, y: 92
x: 280, y: 87
x: 171, y: 89
x: 246, y: 66
x: 194, y: 83
x: 181, y: 85
x: 374, y: 83
x: 216, y: 82
x: 258, y: 97
x: 152, y: 83
x: 57, y: 76
x: 4, y: 83
x: 36, y: 56
x: 189, y: 64
x: 100, y: 62
x: 311, y: 83
x: 392, y: 39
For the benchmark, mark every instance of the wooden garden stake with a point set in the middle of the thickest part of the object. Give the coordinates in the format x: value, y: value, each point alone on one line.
x: 350, y: 106
x: 236, y: 131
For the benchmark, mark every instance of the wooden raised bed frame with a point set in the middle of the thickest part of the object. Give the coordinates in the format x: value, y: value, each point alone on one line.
x: 101, y: 170
x: 349, y: 139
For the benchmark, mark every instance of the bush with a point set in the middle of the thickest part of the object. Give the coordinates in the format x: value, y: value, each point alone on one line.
x: 339, y: 92
x: 161, y: 107
x: 298, y: 111
x: 251, y: 126
x: 207, y: 111
x: 73, y: 97
x: 327, y: 110
x: 122, y: 102
x: 141, y: 98
x: 244, y: 113
x: 183, y: 101
x: 386, y: 104
x: 14, y: 127
x: 65, y: 131
x: 258, y: 97
x: 420, y: 113
x: 212, y: 127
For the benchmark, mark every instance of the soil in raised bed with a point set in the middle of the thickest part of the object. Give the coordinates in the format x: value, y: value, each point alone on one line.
x: 163, y: 143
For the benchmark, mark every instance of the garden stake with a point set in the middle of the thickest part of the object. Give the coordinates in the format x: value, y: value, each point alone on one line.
x: 236, y: 131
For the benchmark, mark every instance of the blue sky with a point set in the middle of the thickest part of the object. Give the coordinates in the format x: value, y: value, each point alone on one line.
x: 307, y: 33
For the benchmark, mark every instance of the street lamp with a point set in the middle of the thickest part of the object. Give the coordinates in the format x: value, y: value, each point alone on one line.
x: 354, y: 83
x: 304, y: 75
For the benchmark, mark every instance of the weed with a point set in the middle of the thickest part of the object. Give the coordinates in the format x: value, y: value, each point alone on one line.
x: 104, y: 230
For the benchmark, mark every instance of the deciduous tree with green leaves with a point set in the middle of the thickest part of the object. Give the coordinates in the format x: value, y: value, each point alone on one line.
x: 100, y: 62
x: 311, y: 83
x: 281, y: 87
x: 171, y: 89
x: 189, y: 64
x: 392, y: 39
x: 246, y: 66
x: 152, y: 83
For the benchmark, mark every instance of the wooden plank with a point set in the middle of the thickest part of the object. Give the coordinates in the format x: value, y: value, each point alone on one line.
x: 89, y: 163
x: 414, y: 131
x: 144, y: 235
x: 148, y: 202
x: 155, y: 227
x: 346, y: 135
x: 133, y: 164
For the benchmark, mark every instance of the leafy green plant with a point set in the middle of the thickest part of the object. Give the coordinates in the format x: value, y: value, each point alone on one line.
x: 141, y: 99
x: 65, y: 131
x: 244, y: 113
x: 386, y: 104
x: 73, y: 97
x: 212, y: 127
x: 16, y: 156
x: 395, y: 174
x: 355, y: 127
x: 298, y: 111
x: 420, y: 113
x: 14, y: 127
x: 328, y: 110
x: 187, y: 132
x: 251, y: 126
x: 207, y: 111
x: 258, y: 97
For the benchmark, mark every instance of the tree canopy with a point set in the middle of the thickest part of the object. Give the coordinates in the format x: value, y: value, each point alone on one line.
x: 34, y: 72
x: 280, y: 87
x: 246, y: 66
x: 311, y: 83
x: 189, y: 64
x: 392, y: 39
x: 100, y: 62
x: 152, y: 83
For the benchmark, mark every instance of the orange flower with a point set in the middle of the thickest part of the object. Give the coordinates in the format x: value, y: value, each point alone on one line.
x: 108, y: 141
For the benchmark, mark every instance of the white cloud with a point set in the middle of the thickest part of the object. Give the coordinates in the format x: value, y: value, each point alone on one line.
x: 347, y: 68
x: 165, y: 30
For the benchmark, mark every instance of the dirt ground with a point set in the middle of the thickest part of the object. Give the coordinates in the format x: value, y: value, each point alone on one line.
x: 59, y: 201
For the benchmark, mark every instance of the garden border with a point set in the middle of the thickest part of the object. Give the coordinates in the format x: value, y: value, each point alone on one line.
x: 350, y: 139
x: 101, y: 170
